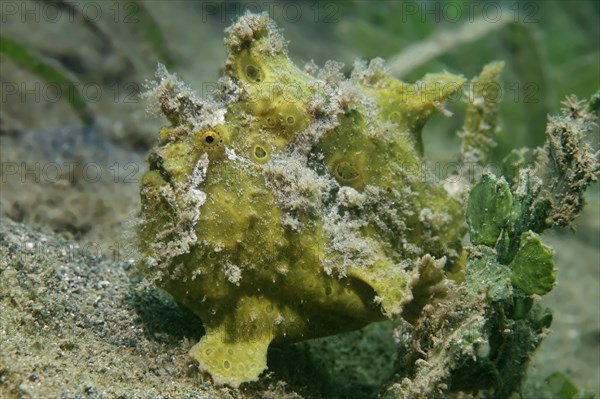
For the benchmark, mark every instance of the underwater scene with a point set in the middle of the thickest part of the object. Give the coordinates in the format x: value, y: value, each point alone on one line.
x: 318, y: 199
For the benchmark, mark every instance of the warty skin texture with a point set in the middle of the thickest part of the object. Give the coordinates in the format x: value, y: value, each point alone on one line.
x: 292, y: 205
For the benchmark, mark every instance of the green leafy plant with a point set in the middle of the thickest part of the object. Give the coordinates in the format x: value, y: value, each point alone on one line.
x: 480, y: 337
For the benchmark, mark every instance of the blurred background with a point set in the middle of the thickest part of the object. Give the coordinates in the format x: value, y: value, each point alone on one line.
x: 71, y: 74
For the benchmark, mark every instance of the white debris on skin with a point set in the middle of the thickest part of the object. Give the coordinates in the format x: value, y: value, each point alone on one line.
x: 172, y: 97
x: 297, y: 189
x: 249, y: 28
x: 386, y: 213
x: 378, y: 300
x: 280, y: 319
x: 193, y: 198
x: 348, y: 245
x: 349, y: 197
x: 233, y: 273
x: 293, y: 223
x: 386, y: 131
x: 180, y: 236
x: 331, y: 73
